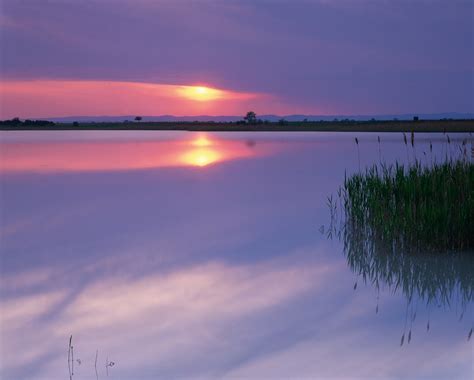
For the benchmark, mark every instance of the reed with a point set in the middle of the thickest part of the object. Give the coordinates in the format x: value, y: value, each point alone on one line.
x: 411, y: 228
x: 414, y: 207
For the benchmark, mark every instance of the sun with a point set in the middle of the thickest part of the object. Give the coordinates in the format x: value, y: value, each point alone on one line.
x: 200, y: 93
x: 201, y: 90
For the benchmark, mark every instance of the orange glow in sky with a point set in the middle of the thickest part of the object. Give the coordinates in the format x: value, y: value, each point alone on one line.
x: 55, y: 98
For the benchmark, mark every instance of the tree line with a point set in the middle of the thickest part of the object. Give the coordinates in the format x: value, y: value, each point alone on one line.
x: 16, y: 122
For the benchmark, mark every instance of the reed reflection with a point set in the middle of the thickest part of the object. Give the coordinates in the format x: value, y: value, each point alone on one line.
x: 430, y: 280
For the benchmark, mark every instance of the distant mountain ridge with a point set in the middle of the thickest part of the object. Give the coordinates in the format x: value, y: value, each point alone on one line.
x: 271, y: 118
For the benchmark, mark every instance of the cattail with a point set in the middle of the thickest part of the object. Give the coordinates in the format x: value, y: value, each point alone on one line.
x: 405, y: 138
x: 412, y: 139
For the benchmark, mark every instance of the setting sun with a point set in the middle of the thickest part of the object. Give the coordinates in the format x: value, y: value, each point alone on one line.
x: 201, y: 90
x: 201, y: 93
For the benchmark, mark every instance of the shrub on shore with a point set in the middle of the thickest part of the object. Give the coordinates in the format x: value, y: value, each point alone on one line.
x: 16, y: 122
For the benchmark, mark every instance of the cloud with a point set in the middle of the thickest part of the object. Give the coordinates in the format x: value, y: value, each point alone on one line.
x: 44, y: 98
x: 312, y: 56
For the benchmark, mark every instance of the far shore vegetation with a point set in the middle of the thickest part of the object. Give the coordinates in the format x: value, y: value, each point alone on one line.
x: 250, y: 122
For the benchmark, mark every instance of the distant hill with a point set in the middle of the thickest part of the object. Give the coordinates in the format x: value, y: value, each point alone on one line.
x: 271, y: 118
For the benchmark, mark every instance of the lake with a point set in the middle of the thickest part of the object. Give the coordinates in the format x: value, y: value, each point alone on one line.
x: 209, y: 255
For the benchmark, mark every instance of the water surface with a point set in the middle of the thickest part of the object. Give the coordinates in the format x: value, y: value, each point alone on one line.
x: 181, y: 255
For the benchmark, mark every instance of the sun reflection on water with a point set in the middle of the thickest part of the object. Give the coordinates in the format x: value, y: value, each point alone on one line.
x: 204, y: 152
x: 202, y: 140
x: 199, y: 151
x: 201, y: 157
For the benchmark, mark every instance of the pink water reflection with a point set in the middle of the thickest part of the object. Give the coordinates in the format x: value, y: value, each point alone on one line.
x: 83, y: 156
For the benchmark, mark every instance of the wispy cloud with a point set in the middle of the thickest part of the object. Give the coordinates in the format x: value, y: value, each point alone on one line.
x: 46, y: 98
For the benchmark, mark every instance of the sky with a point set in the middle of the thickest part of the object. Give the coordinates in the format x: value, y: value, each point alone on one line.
x: 183, y: 57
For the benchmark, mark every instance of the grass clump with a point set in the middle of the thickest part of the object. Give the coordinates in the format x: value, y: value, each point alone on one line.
x: 399, y: 221
x: 414, y: 207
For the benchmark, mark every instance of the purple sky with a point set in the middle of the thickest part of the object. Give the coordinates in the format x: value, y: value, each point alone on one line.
x: 320, y: 56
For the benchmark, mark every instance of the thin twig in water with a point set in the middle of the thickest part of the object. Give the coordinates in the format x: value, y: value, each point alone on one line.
x: 358, y: 153
x: 95, y: 364
x: 380, y: 151
x: 69, y: 358
x: 406, y: 146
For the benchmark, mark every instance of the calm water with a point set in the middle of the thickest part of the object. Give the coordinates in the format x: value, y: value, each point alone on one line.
x: 180, y: 255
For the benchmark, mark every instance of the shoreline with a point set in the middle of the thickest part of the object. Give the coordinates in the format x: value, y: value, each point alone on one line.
x: 429, y: 126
